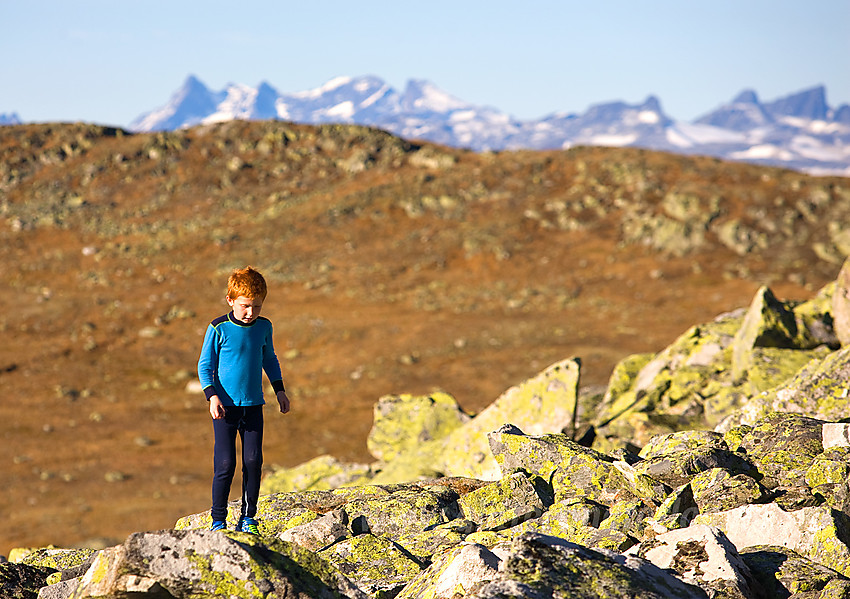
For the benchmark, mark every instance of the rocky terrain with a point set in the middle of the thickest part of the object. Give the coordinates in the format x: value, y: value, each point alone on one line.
x: 459, y: 506
x: 395, y: 267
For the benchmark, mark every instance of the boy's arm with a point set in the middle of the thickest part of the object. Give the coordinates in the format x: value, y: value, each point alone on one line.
x: 272, y: 367
x: 206, y: 373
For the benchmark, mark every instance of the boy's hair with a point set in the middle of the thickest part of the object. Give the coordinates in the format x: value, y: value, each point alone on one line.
x: 246, y: 282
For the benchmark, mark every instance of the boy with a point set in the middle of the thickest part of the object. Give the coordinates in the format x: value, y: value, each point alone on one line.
x: 237, y: 349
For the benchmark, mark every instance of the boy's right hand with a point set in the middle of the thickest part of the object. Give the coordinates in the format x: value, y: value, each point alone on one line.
x: 216, y: 408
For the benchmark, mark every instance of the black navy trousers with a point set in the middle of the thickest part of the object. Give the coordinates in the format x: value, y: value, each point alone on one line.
x: 247, y: 423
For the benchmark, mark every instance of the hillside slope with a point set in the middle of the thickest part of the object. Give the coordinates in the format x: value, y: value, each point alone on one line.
x: 394, y: 267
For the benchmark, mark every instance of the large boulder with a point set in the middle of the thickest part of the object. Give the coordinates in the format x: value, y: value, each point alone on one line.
x: 714, y: 369
x: 767, y: 323
x: 454, y: 573
x: 818, y: 390
x: 507, y: 502
x: 188, y: 564
x: 814, y: 532
x: 782, y: 572
x: 542, y: 404
x: 401, y: 423
x: 321, y: 473
x: 841, y: 304
x: 783, y: 447
x: 22, y: 581
x: 702, y: 556
x: 378, y: 566
x: 538, y: 566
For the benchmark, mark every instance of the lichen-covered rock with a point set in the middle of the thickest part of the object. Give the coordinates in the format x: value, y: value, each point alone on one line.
x: 564, y: 518
x: 377, y: 565
x: 542, y: 404
x: 621, y: 380
x: 22, y: 581
x: 276, y: 512
x: 718, y: 490
x: 829, y: 477
x: 676, y: 511
x: 402, y: 511
x: 702, y: 556
x: 319, y: 533
x: 673, y: 390
x: 514, y: 450
x: 681, y: 441
x: 188, y: 564
x: 815, y: 532
x: 321, y: 473
x: 402, y: 422
x: 770, y: 366
x: 782, y: 572
x: 507, y: 502
x: 454, y: 573
x: 841, y: 304
x: 783, y: 447
x: 818, y: 390
x: 57, y: 558
x: 679, y: 467
x: 425, y: 544
x: 538, y: 567
x: 767, y: 323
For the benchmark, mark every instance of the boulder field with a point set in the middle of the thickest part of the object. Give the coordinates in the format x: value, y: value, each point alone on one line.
x: 718, y: 467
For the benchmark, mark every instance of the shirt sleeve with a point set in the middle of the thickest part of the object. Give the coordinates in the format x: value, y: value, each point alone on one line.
x: 271, y: 364
x: 208, y: 362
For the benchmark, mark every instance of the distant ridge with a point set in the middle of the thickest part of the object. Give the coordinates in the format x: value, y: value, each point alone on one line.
x: 799, y: 131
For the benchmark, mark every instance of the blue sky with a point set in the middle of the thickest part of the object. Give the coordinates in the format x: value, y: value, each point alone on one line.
x: 107, y: 61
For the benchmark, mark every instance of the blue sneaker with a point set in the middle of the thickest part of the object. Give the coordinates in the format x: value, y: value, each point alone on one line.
x: 249, y: 525
x: 218, y: 525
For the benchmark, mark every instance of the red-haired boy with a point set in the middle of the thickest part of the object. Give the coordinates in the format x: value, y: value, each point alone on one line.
x: 237, y: 349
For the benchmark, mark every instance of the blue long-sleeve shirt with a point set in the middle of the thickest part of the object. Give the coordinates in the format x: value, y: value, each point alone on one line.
x: 233, y: 358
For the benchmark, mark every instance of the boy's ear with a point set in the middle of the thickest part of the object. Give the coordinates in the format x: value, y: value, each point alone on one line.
x: 228, y: 300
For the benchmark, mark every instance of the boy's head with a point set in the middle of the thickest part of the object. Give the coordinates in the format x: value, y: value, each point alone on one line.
x: 246, y: 282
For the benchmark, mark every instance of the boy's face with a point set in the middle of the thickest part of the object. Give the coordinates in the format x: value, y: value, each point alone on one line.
x: 245, y: 309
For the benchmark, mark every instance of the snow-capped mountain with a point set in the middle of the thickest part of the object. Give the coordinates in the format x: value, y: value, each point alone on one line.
x: 9, y: 118
x: 800, y: 131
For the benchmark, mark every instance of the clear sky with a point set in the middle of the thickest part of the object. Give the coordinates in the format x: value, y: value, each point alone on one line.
x: 107, y: 61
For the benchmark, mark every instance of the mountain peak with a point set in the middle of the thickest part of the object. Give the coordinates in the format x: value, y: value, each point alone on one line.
x: 808, y: 103
x: 747, y: 96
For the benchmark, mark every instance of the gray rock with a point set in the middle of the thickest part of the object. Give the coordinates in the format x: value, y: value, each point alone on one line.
x: 814, y: 532
x: 841, y: 305
x: 538, y: 567
x: 22, y: 581
x: 454, y: 572
x: 507, y: 502
x: 378, y: 566
x: 702, y: 556
x: 319, y: 533
x: 59, y: 590
x: 783, y: 572
x: 402, y: 422
x: 678, y: 468
x: 184, y: 564
x: 782, y: 447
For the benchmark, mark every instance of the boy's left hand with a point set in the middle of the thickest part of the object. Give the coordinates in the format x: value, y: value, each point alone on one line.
x: 283, y: 400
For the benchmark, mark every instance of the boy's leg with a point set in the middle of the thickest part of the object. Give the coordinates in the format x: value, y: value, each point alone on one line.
x: 224, y: 461
x: 251, y: 431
